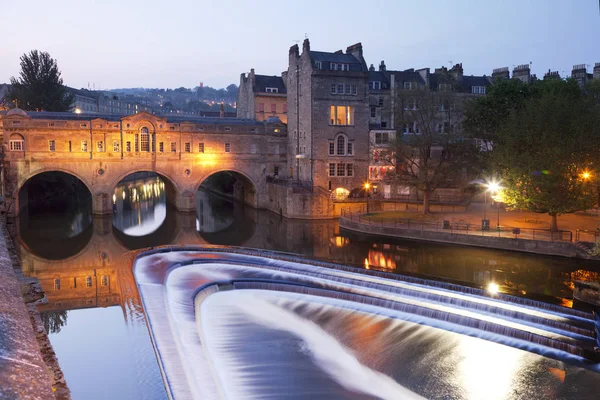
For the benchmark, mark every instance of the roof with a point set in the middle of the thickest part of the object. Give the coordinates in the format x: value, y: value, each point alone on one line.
x: 338, y: 57
x: 116, y: 118
x: 261, y: 82
x: 409, y: 75
x: 476, y: 81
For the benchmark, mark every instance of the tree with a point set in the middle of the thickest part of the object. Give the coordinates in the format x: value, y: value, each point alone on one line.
x: 53, y: 320
x: 40, y: 86
x: 431, y: 149
x: 545, y: 149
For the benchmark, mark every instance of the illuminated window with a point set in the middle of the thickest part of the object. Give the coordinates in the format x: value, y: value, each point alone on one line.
x: 17, y: 145
x: 227, y: 147
x: 128, y: 146
x: 341, y: 169
x: 331, y: 169
x: 340, y: 194
x: 187, y: 147
x: 104, y: 281
x: 116, y: 147
x: 341, y: 115
x: 88, y: 281
x: 173, y: 147
x: 137, y: 142
x: 161, y: 147
x: 51, y: 145
x: 84, y: 146
x: 201, y: 147
x: 144, y: 140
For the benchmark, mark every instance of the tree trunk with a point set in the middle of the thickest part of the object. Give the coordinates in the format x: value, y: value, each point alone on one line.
x: 554, y: 223
x: 426, y: 196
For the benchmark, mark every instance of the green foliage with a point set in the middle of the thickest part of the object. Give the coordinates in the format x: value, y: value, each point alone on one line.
x: 542, y: 147
x: 53, y: 320
x: 39, y: 87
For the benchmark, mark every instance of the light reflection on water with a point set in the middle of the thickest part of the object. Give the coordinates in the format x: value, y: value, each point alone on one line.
x: 72, y: 248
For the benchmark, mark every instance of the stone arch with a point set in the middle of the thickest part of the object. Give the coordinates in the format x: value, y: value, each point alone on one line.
x: 172, y: 190
x: 250, y: 187
x: 20, y: 197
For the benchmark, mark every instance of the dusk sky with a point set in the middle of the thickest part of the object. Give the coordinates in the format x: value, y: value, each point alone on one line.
x: 150, y: 43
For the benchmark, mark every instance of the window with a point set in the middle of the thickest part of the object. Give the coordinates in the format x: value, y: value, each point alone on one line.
x: 478, y: 89
x: 341, y: 169
x: 272, y: 90
x: 88, y: 281
x: 51, y: 145
x: 373, y: 112
x: 339, y: 67
x: 410, y: 85
x: 350, y: 149
x: 227, y: 129
x: 261, y: 107
x: 284, y: 108
x: 341, y: 145
x: 383, y: 124
x: 340, y: 88
x: 83, y: 125
x: 273, y: 108
x: 375, y: 85
x: 16, y: 122
x: 144, y: 140
x: 348, y: 89
x: 137, y: 143
x: 100, y: 146
x: 57, y: 284
x: 173, y: 147
x: 381, y: 102
x: 318, y: 65
x: 116, y: 147
x: 50, y: 124
x: 341, y: 115
x: 161, y: 147
x: 333, y: 88
x: 349, y: 170
x: 276, y: 149
x: 128, y: 146
x: 104, y: 280
x: 354, y: 90
x: 201, y: 147
x: 84, y: 146
x: 69, y: 146
x: 331, y: 148
x: 331, y: 169
x: 253, y: 148
x: 381, y: 138
x: 187, y: 147
x: 17, y: 145
x: 276, y: 170
x: 227, y: 147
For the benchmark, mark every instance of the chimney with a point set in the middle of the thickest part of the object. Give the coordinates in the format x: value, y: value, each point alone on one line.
x: 382, y: 67
x: 222, y: 111
x: 356, y: 51
x: 522, y: 72
x: 579, y: 73
x: 372, y: 68
x: 501, y: 73
x: 457, y: 72
x: 294, y: 54
x: 306, y: 45
x: 551, y: 75
x: 597, y: 70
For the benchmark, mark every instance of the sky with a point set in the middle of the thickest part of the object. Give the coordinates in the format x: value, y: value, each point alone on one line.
x: 157, y: 43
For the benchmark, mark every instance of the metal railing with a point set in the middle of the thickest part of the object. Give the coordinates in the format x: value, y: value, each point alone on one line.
x: 584, y: 235
x: 411, y: 199
x: 461, y: 228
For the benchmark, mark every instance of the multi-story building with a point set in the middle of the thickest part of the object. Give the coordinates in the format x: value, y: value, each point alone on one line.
x: 261, y: 97
x: 328, y: 118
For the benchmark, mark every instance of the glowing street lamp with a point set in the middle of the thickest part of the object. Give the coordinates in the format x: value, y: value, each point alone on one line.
x: 494, y: 187
x: 586, y: 175
x: 367, y: 187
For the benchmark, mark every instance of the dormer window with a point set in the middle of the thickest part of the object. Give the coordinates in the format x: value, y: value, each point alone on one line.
x: 375, y: 85
x: 339, y: 67
x: 272, y: 90
x: 319, y: 65
x: 478, y: 89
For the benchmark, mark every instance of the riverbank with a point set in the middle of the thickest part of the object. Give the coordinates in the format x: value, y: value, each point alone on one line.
x: 28, y: 365
x: 552, y: 248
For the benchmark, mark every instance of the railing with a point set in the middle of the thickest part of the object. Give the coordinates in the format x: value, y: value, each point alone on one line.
x: 583, y: 235
x: 412, y: 199
x: 461, y: 228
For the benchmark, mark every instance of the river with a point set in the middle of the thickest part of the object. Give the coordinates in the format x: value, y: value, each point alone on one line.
x: 94, y: 316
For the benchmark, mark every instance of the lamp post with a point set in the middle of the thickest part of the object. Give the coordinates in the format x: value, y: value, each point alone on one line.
x: 493, y: 187
x: 367, y: 187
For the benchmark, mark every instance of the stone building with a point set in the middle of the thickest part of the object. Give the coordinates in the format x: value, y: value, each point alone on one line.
x: 261, y: 97
x: 328, y: 118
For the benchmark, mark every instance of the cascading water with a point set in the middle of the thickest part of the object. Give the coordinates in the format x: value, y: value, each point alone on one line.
x: 229, y: 323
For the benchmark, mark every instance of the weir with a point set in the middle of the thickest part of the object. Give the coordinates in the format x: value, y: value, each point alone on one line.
x: 228, y: 279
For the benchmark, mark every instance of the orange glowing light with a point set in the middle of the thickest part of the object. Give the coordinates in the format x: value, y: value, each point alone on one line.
x: 366, y: 263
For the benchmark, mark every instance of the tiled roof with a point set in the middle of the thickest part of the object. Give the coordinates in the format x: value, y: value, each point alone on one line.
x: 326, y: 59
x: 407, y: 76
x: 261, y: 82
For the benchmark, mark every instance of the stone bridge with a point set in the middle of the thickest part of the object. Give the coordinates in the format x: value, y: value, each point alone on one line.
x: 102, y: 150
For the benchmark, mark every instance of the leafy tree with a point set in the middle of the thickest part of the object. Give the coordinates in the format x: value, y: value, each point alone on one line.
x: 54, y: 320
x: 543, y: 149
x: 40, y: 86
x: 431, y: 150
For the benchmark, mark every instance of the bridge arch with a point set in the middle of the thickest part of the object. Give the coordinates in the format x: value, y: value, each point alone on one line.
x: 21, y: 192
x: 245, y: 188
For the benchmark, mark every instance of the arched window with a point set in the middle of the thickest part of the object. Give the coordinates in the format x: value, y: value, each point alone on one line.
x: 144, y: 139
x: 340, y: 145
x: 16, y: 142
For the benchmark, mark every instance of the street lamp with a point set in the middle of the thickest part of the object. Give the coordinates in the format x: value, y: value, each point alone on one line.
x: 367, y: 187
x: 493, y: 187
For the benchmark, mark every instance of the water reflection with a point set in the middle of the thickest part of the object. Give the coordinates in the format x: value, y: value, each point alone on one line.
x: 139, y: 204
x: 84, y: 263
